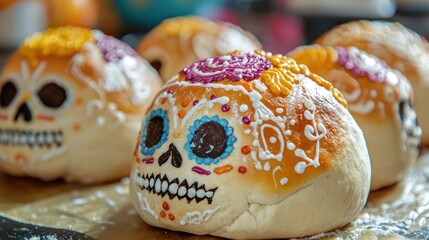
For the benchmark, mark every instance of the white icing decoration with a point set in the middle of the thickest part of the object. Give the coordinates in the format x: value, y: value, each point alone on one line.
x: 273, y: 140
x: 76, y: 62
x: 279, y: 110
x: 267, y: 166
x: 313, y: 132
x: 284, y: 181
x: 290, y: 146
x: 258, y: 165
x: 247, y: 131
x: 145, y: 205
x: 203, y: 102
x: 260, y: 86
x: 265, y: 153
x: 292, y: 122
x: 196, y: 217
x: 243, y: 108
x: 373, y: 93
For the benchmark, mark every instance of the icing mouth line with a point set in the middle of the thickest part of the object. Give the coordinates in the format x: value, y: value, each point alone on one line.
x: 29, y: 138
x: 174, y: 188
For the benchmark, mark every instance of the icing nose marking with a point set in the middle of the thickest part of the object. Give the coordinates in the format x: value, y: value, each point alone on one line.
x: 23, y: 111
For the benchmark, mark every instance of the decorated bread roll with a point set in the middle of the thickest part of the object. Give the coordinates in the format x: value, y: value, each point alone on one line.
x: 399, y: 47
x: 381, y: 101
x: 71, y: 101
x: 249, y: 145
x: 178, y: 42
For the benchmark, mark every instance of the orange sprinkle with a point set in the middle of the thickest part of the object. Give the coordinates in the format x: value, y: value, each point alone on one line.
x: 76, y: 127
x: 20, y: 157
x: 162, y: 214
x: 163, y: 100
x: 245, y: 150
x: 223, y: 169
x: 45, y: 118
x: 185, y: 102
x: 242, y: 169
x: 176, y: 135
x: 78, y: 101
x: 137, y: 160
x: 165, y: 206
x: 171, y: 217
x: 181, y: 113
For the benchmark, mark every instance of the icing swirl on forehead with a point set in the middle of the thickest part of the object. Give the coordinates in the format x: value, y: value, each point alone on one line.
x: 362, y: 64
x: 114, y: 50
x: 248, y: 66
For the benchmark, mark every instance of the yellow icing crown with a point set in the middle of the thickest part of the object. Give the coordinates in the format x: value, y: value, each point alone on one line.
x: 283, y: 75
x: 58, y: 42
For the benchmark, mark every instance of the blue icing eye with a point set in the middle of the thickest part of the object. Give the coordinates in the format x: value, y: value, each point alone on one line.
x: 210, y: 140
x: 155, y: 131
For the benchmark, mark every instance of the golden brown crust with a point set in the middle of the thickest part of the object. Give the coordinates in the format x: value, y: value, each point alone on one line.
x: 400, y: 47
x: 376, y: 95
x: 180, y: 41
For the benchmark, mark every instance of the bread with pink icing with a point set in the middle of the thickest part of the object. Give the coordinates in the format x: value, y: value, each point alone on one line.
x: 71, y: 101
x: 399, y: 47
x: 380, y: 99
x: 249, y: 145
x: 180, y: 41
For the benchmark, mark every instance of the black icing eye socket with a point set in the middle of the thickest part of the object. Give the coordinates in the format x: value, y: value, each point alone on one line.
x: 157, y: 64
x: 155, y: 131
x: 52, y: 95
x: 7, y: 93
x: 209, y: 140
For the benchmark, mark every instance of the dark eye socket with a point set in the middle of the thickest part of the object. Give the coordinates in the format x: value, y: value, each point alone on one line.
x: 7, y: 93
x: 157, y: 64
x: 52, y: 95
x: 154, y: 131
x: 209, y: 140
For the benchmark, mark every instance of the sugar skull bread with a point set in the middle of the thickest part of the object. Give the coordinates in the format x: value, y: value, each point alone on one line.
x: 399, y: 47
x: 71, y: 101
x: 381, y: 101
x: 249, y: 145
x: 180, y: 41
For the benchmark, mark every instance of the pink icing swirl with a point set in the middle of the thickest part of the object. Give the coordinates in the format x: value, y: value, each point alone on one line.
x: 362, y: 64
x: 248, y: 66
x: 113, y: 49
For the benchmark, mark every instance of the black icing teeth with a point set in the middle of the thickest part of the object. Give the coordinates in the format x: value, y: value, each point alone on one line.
x: 29, y: 138
x: 175, y: 188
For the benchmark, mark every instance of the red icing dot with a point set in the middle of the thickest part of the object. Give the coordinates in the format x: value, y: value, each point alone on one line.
x: 242, y: 169
x: 213, y: 97
x: 225, y: 108
x: 245, y: 120
x: 165, y: 206
x: 195, y: 102
x: 162, y: 214
x: 169, y: 91
x: 245, y: 149
x: 171, y: 217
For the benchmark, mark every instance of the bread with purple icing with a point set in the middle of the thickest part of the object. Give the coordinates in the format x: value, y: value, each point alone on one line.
x: 399, y: 47
x: 381, y: 101
x: 71, y: 101
x: 249, y: 145
x: 180, y: 41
